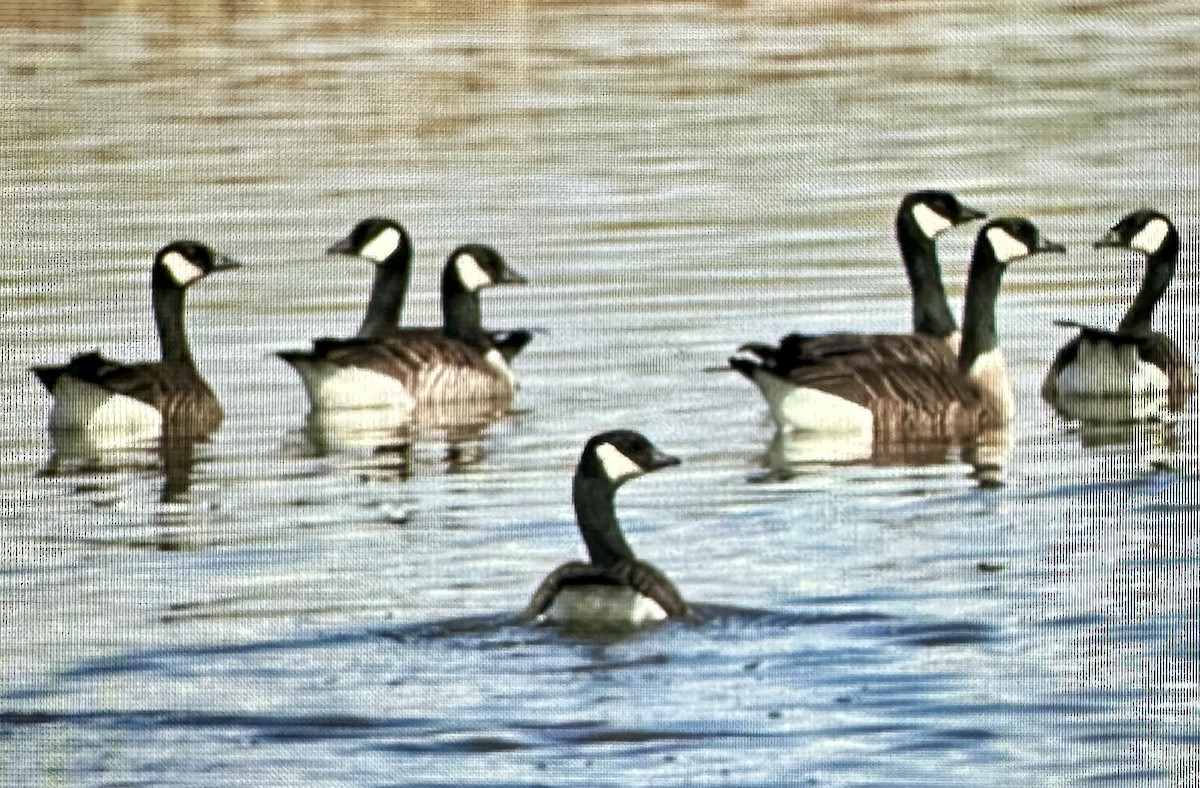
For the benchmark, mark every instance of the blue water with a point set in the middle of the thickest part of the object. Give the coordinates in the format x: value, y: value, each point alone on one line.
x: 301, y: 607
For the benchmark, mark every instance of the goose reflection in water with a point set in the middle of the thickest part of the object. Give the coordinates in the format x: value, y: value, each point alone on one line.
x: 83, y: 452
x: 986, y: 451
x: 391, y: 435
x: 1146, y: 424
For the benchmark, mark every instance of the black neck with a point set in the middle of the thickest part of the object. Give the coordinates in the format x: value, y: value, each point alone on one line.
x: 1160, y: 267
x: 931, y: 312
x: 167, y: 298
x: 461, y: 314
x: 979, y: 309
x: 387, y: 297
x: 593, y: 494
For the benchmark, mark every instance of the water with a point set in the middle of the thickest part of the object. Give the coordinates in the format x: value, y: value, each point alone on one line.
x: 674, y: 181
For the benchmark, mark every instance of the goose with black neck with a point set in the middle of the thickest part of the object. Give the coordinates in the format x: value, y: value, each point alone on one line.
x: 1131, y: 372
x: 144, y: 400
x: 613, y: 590
x: 921, y: 217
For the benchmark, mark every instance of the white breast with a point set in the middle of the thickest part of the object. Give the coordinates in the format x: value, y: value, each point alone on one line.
x: 79, y: 405
x: 496, y: 361
x: 1102, y: 369
x: 799, y: 409
x: 990, y: 374
x: 603, y: 606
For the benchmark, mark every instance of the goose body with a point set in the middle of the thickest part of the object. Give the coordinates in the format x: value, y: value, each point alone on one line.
x: 921, y: 217
x: 144, y: 400
x: 1130, y: 363
x: 613, y: 590
x: 403, y: 368
x: 894, y: 399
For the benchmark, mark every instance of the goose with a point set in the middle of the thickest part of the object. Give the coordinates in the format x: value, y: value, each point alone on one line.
x: 613, y: 588
x: 1131, y: 361
x: 386, y: 244
x: 823, y: 393
x: 149, y: 399
x: 407, y: 367
x: 921, y: 217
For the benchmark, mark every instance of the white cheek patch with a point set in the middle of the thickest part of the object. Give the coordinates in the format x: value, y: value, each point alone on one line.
x: 1150, y: 238
x: 471, y: 273
x: 616, y: 464
x: 383, y: 245
x: 1005, y: 246
x: 181, y: 269
x: 930, y: 221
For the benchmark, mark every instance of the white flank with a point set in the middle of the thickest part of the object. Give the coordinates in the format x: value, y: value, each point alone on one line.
x: 930, y: 221
x: 1149, y: 239
x: 181, y: 269
x: 797, y: 409
x: 603, y: 606
x: 496, y: 361
x: 1005, y: 246
x: 1102, y: 369
x: 331, y: 387
x: 79, y: 405
x: 382, y: 245
x: 471, y: 273
x: 616, y: 464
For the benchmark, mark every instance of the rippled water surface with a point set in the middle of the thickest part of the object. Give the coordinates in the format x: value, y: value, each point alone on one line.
x: 674, y: 180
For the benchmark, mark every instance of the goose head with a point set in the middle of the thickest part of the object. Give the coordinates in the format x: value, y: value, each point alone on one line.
x: 934, y: 212
x: 1144, y: 231
x: 1013, y: 238
x: 182, y: 263
x: 476, y: 266
x: 620, y: 455
x: 377, y: 239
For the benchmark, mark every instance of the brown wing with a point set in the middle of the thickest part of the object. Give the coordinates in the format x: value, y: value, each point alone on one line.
x: 177, y: 391
x: 906, y: 399
x: 1161, y: 351
x: 649, y: 581
x: 871, y: 349
x: 638, y: 575
x: 428, y: 364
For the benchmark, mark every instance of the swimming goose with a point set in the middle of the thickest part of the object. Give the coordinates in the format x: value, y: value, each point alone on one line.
x: 410, y: 366
x: 98, y: 394
x: 614, y: 588
x: 822, y: 393
x: 1131, y: 361
x: 386, y: 244
x: 920, y: 219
